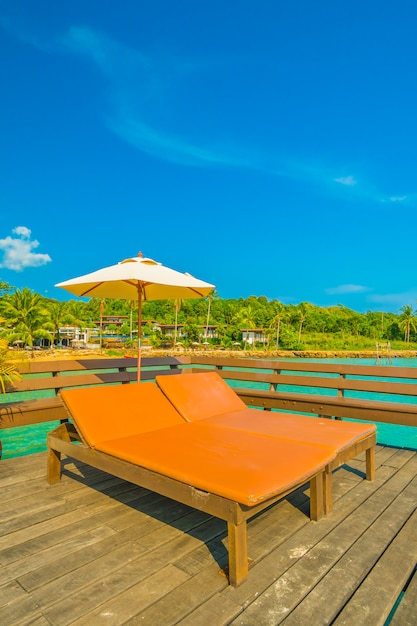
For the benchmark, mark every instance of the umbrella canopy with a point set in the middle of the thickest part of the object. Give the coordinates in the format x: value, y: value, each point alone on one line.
x: 140, y: 279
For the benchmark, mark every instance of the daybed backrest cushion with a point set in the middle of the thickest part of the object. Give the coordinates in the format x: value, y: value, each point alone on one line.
x: 109, y: 412
x: 199, y: 396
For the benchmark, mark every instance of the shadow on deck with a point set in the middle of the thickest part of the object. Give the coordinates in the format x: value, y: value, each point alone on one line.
x: 94, y: 549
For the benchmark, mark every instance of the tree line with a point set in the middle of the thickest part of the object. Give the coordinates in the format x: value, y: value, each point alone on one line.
x: 27, y: 317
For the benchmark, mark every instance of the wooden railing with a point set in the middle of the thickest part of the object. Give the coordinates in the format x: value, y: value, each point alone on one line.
x: 375, y: 393
x: 318, y: 388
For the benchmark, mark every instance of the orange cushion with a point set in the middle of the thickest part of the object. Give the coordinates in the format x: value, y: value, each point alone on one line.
x: 207, y: 396
x: 198, y: 396
x: 108, y: 412
x: 241, y: 466
x: 334, y: 433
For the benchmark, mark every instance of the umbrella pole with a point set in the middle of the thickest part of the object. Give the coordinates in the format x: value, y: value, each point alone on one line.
x: 139, y: 328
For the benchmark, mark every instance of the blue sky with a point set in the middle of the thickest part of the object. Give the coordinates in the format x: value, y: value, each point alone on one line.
x: 267, y: 147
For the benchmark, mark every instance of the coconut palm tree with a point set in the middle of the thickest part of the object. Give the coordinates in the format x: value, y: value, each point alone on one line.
x: 5, y: 287
x: 302, y: 309
x: 58, y: 314
x: 407, y: 321
x: 132, y: 304
x: 177, y: 304
x: 8, y: 369
x: 209, y: 300
x: 27, y: 315
x: 276, y: 322
x: 246, y: 318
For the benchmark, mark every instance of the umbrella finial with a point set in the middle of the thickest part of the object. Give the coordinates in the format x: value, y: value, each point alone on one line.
x: 140, y: 255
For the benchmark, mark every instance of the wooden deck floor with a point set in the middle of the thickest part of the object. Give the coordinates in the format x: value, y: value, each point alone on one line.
x: 96, y: 550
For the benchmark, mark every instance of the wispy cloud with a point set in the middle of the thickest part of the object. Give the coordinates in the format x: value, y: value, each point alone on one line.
x: 345, y: 289
x: 398, y: 198
x: 168, y: 146
x: 140, y: 89
x: 138, y: 85
x: 115, y: 60
x: 395, y: 299
x: 18, y: 251
x: 348, y: 181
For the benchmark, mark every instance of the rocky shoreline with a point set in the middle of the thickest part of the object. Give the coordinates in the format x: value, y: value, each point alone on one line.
x: 236, y: 354
x: 287, y: 354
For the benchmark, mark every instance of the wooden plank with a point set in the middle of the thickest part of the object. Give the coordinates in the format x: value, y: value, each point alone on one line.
x: 305, y: 559
x: 10, y: 592
x: 29, y: 548
x: 328, y: 383
x: 377, y: 595
x: 117, y: 610
x: 288, y: 545
x: 84, y: 564
x: 179, y: 603
x: 217, y: 610
x: 25, y: 412
x: 335, y: 589
x: 115, y: 569
x: 406, y: 613
x: 389, y: 412
x: 61, y: 382
x: 306, y: 366
x: 100, y: 584
x: 103, y: 562
x: 76, y: 365
x: 61, y: 587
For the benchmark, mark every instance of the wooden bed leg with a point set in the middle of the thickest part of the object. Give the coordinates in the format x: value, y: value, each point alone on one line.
x: 370, y: 463
x: 316, y: 497
x: 53, y: 471
x: 238, y: 553
x: 328, y: 491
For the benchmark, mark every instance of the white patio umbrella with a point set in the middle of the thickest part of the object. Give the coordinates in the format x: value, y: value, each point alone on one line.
x: 140, y: 279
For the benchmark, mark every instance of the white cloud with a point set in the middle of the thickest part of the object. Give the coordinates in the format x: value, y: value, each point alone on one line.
x: 22, y: 231
x: 18, y: 251
x: 139, y: 88
x: 169, y: 147
x: 398, y: 198
x: 340, y: 289
x: 348, y: 181
x: 397, y: 299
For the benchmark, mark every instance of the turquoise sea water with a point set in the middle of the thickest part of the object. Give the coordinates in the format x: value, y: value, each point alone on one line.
x: 30, y: 439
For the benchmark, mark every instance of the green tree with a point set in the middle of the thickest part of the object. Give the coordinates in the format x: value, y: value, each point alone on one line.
x: 78, y: 314
x: 177, y: 307
x: 5, y: 287
x: 8, y: 369
x: 58, y: 317
x: 302, y: 312
x: 191, y: 331
x: 28, y: 316
x: 407, y: 321
x: 245, y: 318
x: 276, y: 322
x: 209, y: 301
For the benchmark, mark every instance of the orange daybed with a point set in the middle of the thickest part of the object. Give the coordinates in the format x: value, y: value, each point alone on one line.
x: 205, y: 396
x: 134, y: 432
